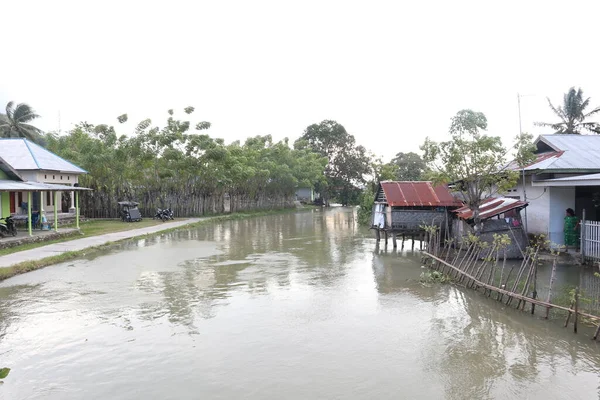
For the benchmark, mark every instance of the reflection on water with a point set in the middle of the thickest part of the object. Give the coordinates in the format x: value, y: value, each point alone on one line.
x: 290, y: 306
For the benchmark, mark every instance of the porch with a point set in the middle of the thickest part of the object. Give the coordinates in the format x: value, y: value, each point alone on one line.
x: 36, y: 210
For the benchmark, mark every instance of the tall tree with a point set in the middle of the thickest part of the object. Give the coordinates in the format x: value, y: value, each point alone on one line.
x: 473, y: 162
x: 409, y: 166
x: 573, y: 115
x: 348, y: 163
x: 16, y: 122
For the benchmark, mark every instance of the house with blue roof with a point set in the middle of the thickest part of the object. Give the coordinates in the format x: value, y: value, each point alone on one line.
x: 565, y: 174
x: 33, y: 163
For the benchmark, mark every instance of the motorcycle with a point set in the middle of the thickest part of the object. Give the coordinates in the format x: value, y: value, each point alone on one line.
x: 163, y: 215
x: 7, y: 227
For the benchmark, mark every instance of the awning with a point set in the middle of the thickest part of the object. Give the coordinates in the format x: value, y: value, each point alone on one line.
x: 577, y: 180
x: 16, y: 186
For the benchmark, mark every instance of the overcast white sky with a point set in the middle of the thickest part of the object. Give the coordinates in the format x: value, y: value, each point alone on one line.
x: 392, y: 72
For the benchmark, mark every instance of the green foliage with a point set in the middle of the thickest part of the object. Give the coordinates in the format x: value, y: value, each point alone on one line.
x: 474, y: 162
x: 572, y: 114
x: 434, y: 277
x: 365, y: 209
x: 4, y: 372
x: 16, y: 123
x: 174, y: 161
x: 348, y: 163
x: 408, y: 167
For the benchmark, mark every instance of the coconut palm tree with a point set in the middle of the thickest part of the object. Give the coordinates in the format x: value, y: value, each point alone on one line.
x: 572, y: 114
x: 15, y: 123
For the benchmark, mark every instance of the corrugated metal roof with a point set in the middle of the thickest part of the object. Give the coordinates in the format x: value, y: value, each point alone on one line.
x: 24, y: 155
x: 491, y: 207
x: 18, y: 186
x: 418, y: 194
x: 573, y: 152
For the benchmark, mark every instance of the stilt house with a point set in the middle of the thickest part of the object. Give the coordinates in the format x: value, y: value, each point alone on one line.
x: 404, y: 207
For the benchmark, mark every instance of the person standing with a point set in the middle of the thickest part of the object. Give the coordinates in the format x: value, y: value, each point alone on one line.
x: 571, y: 227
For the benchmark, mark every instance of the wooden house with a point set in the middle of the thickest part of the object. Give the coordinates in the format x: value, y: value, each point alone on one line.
x: 403, y: 208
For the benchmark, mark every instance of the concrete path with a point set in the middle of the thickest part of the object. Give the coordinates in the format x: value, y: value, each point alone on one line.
x: 84, y: 243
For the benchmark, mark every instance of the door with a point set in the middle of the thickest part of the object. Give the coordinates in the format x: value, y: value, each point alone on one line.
x: 13, y: 205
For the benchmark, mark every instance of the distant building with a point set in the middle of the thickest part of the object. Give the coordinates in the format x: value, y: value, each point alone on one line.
x: 306, y: 195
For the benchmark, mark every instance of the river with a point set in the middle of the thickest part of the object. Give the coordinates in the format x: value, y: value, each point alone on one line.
x: 289, y: 306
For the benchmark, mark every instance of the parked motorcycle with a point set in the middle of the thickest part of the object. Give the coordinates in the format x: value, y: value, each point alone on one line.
x: 163, y: 215
x: 7, y: 227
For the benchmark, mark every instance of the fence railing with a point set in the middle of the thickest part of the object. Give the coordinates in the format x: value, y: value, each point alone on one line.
x: 590, y: 240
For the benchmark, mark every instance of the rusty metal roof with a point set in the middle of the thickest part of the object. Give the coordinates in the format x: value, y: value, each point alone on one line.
x: 491, y: 207
x: 418, y: 194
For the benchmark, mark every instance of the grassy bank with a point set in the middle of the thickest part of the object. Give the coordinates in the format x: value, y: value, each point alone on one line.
x: 103, y: 226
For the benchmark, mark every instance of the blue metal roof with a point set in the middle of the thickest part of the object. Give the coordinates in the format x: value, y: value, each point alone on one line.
x: 23, y: 155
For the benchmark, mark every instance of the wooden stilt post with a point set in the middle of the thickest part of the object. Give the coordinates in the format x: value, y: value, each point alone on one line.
x: 386, y: 238
x: 394, y: 240
x: 378, y: 233
x: 421, y: 242
x: 412, y: 247
x: 403, y: 239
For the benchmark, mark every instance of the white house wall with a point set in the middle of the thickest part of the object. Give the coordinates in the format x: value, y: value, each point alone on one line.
x: 561, y: 198
x: 539, y: 206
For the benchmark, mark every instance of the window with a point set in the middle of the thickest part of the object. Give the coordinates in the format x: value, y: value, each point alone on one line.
x: 61, y: 177
x: 48, y: 198
x: 53, y: 176
x: 45, y: 176
x: 68, y: 178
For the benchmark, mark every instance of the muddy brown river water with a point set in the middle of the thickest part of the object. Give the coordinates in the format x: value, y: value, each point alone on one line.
x: 290, y: 306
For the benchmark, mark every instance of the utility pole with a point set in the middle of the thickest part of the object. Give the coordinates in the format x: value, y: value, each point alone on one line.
x: 521, y: 132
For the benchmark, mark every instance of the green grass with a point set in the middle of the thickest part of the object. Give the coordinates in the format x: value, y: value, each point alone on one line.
x: 99, y: 227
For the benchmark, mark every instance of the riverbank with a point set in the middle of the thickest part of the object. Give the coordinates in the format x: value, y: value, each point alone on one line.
x: 32, y: 259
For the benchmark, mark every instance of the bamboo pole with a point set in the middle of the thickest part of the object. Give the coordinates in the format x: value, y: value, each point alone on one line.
x: 576, y: 309
x: 534, y: 294
x: 597, y: 333
x: 518, y: 296
x: 552, y: 278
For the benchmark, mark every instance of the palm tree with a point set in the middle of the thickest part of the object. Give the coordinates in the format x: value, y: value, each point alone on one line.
x: 572, y: 114
x: 15, y: 123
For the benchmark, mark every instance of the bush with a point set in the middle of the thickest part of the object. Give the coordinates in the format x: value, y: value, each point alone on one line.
x: 365, y: 210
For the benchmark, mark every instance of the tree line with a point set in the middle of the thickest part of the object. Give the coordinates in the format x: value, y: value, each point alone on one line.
x: 178, y: 165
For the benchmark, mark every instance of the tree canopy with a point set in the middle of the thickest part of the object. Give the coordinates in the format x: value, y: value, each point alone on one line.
x: 348, y: 163
x: 408, y: 166
x: 16, y: 122
x: 572, y: 114
x: 474, y: 162
x: 178, y: 165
